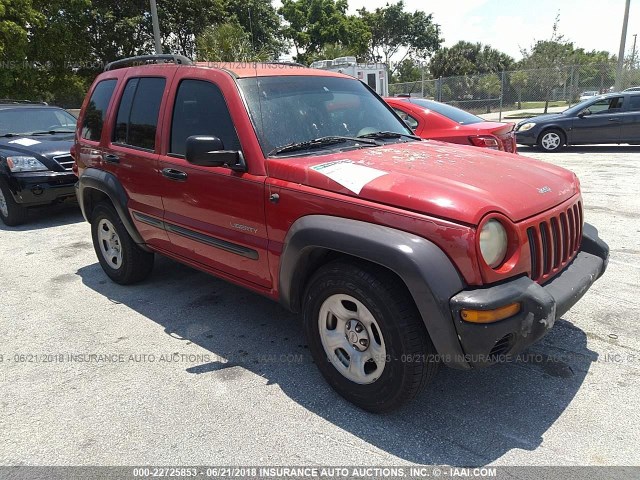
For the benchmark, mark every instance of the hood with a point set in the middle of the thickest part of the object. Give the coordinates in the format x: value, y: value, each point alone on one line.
x: 542, y: 118
x: 46, y: 146
x: 444, y: 180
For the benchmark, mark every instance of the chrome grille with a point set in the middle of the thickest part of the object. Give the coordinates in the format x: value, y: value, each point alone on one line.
x: 65, y: 161
x: 554, y: 242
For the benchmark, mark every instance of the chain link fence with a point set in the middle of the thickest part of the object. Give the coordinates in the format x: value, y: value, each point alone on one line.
x: 515, y: 93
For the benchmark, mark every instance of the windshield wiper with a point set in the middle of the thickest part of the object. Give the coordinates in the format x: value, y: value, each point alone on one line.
x: 50, y: 132
x: 385, y: 135
x: 319, y: 143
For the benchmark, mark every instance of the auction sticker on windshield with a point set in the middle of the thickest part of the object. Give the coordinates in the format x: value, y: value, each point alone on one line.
x: 348, y: 174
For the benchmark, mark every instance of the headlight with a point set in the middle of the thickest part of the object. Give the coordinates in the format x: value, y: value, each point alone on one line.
x: 22, y: 163
x: 493, y: 243
x: 526, y: 126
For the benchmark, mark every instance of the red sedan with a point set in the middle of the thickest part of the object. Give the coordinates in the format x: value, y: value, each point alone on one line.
x: 439, y: 121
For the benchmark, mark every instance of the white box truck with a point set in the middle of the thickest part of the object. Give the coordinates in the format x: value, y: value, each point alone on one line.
x: 373, y: 74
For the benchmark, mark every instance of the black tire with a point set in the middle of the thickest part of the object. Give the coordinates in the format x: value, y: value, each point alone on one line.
x: 133, y: 264
x: 16, y: 214
x: 551, y: 140
x: 410, y: 361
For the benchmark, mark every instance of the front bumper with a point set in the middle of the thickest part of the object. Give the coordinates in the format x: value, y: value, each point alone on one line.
x: 42, y: 188
x: 528, y: 137
x: 541, y: 305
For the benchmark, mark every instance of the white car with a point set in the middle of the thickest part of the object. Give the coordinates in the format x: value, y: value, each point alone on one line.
x: 589, y: 94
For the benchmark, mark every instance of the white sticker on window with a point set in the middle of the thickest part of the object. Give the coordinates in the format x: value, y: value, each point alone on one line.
x: 348, y: 174
x: 25, y: 142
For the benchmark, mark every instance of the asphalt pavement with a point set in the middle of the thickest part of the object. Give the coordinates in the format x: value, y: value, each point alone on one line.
x: 185, y: 369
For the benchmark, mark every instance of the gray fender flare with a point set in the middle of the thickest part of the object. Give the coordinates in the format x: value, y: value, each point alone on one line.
x: 427, y: 272
x: 107, y: 183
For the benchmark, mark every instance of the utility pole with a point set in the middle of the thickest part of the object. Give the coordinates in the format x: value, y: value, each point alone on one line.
x: 156, y: 26
x: 623, y: 39
x: 633, y: 52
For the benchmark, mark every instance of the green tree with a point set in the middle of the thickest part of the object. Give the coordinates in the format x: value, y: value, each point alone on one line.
x: 261, y: 21
x: 553, y: 56
x: 16, y: 17
x: 491, y: 86
x: 519, y: 81
x: 312, y: 25
x: 397, y: 32
x: 182, y: 21
x: 595, y: 70
x: 466, y: 58
x: 227, y: 42
x: 409, y: 70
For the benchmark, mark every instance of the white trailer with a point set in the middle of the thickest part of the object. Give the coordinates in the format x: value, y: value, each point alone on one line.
x: 373, y: 74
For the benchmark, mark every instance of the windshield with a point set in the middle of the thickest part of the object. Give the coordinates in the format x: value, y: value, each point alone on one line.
x: 453, y: 113
x: 292, y: 109
x: 29, y: 120
x: 578, y: 107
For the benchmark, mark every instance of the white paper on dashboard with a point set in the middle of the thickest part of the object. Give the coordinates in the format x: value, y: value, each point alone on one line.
x: 25, y: 142
x: 348, y: 174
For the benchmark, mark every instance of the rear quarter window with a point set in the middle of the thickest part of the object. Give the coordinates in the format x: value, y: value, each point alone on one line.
x: 634, y: 103
x: 96, y: 111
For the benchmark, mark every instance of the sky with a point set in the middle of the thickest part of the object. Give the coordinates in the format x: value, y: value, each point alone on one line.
x: 509, y: 25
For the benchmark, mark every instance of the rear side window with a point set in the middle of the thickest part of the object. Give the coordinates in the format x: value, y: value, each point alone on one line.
x: 406, y: 118
x: 634, y: 103
x: 200, y: 109
x: 137, y: 119
x: 97, y: 110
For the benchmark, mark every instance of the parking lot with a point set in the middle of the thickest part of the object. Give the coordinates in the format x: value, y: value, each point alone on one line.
x: 187, y: 369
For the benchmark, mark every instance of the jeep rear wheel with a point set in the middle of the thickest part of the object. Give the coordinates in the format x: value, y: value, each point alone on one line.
x: 119, y: 256
x: 366, y: 335
x: 11, y: 213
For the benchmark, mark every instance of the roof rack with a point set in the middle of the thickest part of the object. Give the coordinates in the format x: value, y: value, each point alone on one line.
x: 26, y: 102
x: 144, y: 59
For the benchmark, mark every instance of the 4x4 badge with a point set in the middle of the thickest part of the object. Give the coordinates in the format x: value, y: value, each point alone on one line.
x: 544, y: 189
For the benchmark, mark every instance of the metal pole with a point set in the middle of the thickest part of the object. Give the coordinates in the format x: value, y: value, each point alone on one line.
x: 501, y: 96
x: 571, y: 87
x: 623, y: 39
x: 633, y: 52
x: 156, y: 26
x: 423, y: 80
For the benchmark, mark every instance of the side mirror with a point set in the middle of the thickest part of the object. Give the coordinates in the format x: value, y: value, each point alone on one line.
x: 209, y: 152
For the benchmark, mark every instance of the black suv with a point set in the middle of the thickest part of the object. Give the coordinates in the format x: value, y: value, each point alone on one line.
x: 35, y: 163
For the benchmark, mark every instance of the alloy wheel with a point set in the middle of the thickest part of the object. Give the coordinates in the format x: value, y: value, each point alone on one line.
x: 551, y: 141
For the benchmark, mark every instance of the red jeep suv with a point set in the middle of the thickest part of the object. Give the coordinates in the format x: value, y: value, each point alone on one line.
x: 304, y: 186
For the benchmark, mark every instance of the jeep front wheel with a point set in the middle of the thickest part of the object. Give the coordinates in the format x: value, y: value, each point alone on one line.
x: 119, y: 256
x: 366, y: 335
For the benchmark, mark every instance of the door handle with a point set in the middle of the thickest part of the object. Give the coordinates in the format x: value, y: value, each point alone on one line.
x: 111, y: 158
x: 174, y: 174
x: 617, y: 120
